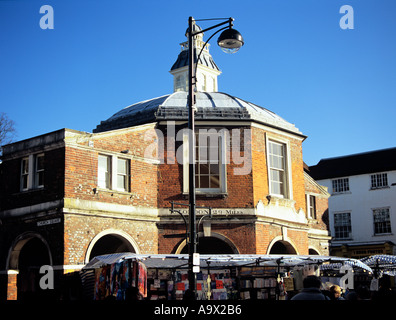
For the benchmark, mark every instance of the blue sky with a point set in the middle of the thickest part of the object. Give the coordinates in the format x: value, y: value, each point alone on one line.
x: 337, y: 86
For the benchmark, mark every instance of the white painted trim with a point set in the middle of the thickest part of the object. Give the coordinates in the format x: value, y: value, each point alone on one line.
x: 278, y: 131
x: 10, y: 271
x: 323, y: 189
x: 68, y: 267
x: 277, y: 211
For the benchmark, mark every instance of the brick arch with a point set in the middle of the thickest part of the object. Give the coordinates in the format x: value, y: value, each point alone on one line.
x: 313, y: 249
x: 122, y: 235
x: 219, y: 236
x: 18, y: 244
x: 13, y: 262
x: 287, y: 242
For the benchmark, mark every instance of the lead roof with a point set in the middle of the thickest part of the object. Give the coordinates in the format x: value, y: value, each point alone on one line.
x: 215, y: 106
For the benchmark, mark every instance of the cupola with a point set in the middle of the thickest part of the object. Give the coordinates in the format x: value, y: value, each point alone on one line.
x: 207, y: 70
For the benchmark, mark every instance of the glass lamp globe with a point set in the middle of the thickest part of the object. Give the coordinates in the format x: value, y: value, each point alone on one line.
x: 230, y: 40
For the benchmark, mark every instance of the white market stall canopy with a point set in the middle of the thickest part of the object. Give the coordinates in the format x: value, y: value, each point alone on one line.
x: 180, y: 261
x: 381, y: 263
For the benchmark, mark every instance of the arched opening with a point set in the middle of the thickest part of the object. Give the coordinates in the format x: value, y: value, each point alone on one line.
x: 212, y: 245
x: 110, y: 243
x: 282, y: 247
x: 313, y: 252
x: 32, y: 255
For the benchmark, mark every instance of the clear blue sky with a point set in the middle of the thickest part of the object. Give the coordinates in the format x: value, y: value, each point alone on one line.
x: 337, y: 86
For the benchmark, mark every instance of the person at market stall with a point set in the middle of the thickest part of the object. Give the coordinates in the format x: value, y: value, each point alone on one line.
x: 335, y: 293
x: 311, y: 290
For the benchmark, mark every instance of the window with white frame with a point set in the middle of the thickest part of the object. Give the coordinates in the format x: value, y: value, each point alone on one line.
x: 382, y: 223
x: 340, y: 185
x: 342, y: 225
x: 113, y: 173
x: 104, y: 172
x: 311, y: 206
x: 379, y: 180
x: 32, y: 172
x: 210, y: 164
x: 123, y: 174
x: 207, y: 157
x: 278, y: 175
x: 39, y: 171
x: 24, y: 174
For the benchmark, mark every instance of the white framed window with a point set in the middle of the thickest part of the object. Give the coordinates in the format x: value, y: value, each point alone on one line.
x: 311, y: 206
x: 113, y: 173
x: 123, y: 175
x: 379, y: 180
x: 25, y: 174
x: 279, y: 173
x: 382, y: 223
x: 342, y: 225
x: 39, y: 171
x: 340, y: 185
x: 207, y: 160
x: 104, y: 171
x: 210, y: 161
x: 32, y: 172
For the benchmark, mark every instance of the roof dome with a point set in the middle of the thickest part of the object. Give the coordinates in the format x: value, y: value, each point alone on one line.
x: 215, y: 106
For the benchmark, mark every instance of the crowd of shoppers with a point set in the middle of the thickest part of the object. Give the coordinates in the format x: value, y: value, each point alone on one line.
x: 312, y: 291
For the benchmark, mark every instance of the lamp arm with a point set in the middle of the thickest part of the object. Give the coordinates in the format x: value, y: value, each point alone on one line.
x: 177, y: 211
x: 206, y: 215
x: 229, y: 21
x: 200, y: 52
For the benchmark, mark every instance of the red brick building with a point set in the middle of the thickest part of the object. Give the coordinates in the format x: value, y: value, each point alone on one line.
x: 68, y: 196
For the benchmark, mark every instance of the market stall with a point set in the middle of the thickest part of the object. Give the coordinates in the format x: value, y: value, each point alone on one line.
x: 384, y: 271
x: 348, y: 275
x: 221, y: 277
x: 113, y: 276
x: 381, y: 264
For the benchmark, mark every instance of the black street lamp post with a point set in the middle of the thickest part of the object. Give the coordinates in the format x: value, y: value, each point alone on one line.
x: 230, y: 40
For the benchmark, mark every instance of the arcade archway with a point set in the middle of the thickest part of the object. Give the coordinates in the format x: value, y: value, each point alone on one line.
x: 216, y: 244
x: 110, y: 241
x: 29, y: 252
x: 282, y: 247
x: 313, y: 252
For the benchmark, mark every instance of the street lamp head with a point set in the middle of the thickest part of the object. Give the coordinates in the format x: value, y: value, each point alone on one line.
x: 230, y: 40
